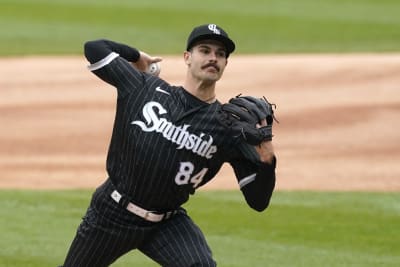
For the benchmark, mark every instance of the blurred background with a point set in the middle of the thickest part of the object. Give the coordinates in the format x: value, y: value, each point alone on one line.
x: 330, y: 66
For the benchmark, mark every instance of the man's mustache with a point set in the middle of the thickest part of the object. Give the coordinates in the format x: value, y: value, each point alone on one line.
x: 211, y: 65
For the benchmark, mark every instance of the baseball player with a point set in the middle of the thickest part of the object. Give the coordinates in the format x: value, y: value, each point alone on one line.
x: 167, y: 141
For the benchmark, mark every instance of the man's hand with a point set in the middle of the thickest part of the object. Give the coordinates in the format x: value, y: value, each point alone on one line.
x: 144, y: 61
x: 265, y: 149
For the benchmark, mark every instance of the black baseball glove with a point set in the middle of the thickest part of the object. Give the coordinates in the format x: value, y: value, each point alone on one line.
x: 243, y: 113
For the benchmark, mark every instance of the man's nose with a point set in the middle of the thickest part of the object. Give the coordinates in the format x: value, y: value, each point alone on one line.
x: 213, y: 57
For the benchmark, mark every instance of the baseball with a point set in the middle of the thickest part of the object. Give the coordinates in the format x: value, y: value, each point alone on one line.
x: 154, y: 69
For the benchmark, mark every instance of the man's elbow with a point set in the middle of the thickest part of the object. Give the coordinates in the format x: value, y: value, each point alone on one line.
x: 258, y: 204
x: 89, y: 45
x: 95, y: 50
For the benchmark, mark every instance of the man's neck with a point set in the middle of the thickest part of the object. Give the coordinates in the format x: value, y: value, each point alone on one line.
x: 201, y: 90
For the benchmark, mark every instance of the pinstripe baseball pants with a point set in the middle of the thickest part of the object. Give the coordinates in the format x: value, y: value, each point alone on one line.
x: 100, y: 240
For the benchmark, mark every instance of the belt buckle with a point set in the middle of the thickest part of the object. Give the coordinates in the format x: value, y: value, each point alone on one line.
x: 146, y: 214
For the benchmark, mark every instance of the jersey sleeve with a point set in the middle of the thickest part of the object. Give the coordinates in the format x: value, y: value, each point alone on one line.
x: 255, y: 178
x: 110, y: 61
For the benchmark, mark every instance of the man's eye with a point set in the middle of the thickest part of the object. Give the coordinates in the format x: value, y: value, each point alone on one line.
x: 221, y: 54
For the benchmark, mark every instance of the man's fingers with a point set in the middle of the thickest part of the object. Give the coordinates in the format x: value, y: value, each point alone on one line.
x: 156, y: 59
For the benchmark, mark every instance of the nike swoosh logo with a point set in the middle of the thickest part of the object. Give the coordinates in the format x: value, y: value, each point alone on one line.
x: 158, y: 89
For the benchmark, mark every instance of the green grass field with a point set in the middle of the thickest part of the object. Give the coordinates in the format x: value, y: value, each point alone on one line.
x: 158, y: 26
x: 298, y: 229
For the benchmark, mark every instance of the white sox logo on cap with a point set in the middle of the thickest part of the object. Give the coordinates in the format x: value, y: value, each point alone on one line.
x: 214, y: 29
x: 210, y: 31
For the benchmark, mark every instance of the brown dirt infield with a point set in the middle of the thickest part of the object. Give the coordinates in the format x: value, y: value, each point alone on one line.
x: 339, y: 119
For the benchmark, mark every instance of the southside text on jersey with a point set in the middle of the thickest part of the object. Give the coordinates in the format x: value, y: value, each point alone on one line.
x: 176, y: 134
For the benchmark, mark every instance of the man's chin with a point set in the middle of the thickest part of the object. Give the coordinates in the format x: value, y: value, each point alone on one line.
x: 212, y: 77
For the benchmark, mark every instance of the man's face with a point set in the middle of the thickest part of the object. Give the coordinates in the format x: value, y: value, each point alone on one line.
x: 207, y: 60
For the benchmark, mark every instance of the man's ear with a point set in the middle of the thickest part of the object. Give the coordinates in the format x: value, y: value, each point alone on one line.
x: 187, y: 56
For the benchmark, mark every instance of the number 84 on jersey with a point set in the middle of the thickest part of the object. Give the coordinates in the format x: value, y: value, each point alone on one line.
x: 184, y: 175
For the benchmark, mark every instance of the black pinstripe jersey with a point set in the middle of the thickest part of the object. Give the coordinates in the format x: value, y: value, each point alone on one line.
x: 165, y: 142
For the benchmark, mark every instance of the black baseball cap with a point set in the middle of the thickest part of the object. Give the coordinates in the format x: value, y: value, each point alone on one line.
x: 210, y: 31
